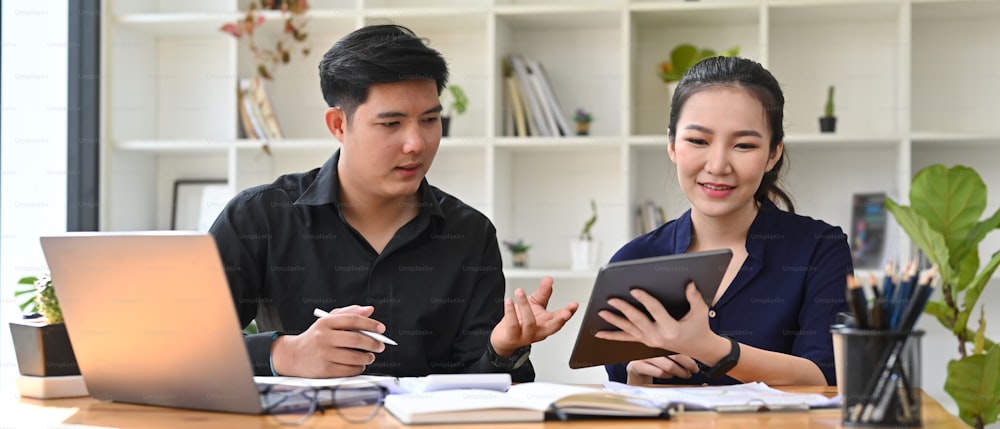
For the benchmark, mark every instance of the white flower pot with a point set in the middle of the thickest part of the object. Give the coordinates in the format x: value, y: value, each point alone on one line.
x: 583, y: 254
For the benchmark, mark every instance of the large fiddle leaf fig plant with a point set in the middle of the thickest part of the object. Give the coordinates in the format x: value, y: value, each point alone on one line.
x: 943, y: 219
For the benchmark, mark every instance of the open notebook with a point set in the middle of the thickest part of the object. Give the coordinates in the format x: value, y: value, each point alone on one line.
x: 534, y: 402
x: 525, y: 402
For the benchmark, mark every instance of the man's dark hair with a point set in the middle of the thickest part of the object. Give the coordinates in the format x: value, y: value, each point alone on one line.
x: 376, y: 54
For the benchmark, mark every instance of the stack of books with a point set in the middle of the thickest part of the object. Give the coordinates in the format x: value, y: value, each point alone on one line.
x: 530, y: 105
x: 256, y: 112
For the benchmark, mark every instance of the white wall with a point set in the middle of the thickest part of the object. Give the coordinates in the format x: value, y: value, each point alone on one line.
x: 32, y: 150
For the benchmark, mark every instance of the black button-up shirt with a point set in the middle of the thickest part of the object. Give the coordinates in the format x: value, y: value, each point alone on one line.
x: 437, y: 286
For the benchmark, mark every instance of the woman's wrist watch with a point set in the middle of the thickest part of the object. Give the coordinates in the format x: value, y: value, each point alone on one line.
x: 727, y: 363
x: 515, y: 361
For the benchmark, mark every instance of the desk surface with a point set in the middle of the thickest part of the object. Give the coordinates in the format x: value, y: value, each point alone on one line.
x: 25, y: 412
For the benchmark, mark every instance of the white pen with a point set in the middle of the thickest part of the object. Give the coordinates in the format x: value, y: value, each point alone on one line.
x: 377, y: 336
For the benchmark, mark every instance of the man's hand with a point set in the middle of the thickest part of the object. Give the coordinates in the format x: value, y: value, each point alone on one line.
x: 330, y: 347
x: 526, y: 320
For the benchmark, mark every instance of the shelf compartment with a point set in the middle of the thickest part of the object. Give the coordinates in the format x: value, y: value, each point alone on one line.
x: 655, y: 33
x: 543, y: 197
x: 580, y: 49
x: 461, y: 39
x: 955, y: 57
x: 854, y: 46
x: 822, y: 181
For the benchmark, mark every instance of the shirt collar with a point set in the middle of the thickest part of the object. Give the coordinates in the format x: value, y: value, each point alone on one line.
x: 326, y: 189
x: 762, y: 228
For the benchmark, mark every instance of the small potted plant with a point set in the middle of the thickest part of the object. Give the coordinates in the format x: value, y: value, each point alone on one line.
x: 519, y: 251
x: 457, y: 104
x: 582, y: 119
x: 583, y: 250
x: 685, y: 55
x: 41, y: 343
x: 828, y: 122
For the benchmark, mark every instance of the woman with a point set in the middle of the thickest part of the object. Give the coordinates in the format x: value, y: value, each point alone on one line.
x: 770, y: 319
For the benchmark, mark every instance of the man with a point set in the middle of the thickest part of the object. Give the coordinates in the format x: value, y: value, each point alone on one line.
x: 367, y: 236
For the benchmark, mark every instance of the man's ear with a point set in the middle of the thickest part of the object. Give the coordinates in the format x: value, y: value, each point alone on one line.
x: 336, y: 122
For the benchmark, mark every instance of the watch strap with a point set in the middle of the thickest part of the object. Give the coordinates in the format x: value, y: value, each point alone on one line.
x: 515, y: 361
x: 728, y: 362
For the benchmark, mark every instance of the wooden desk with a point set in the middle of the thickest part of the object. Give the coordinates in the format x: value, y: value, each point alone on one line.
x: 87, y: 411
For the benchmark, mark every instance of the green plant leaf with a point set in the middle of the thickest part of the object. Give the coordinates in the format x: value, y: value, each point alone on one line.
x: 459, y: 100
x: 979, y: 341
x: 942, y: 312
x: 977, y: 234
x: 683, y: 57
x: 26, y: 287
x: 951, y: 200
x: 974, y: 383
x: 732, y: 52
x: 967, y: 268
x: 975, y: 289
x: 926, y: 238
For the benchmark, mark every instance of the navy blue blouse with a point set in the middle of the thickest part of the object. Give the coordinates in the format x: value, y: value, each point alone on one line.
x: 784, y: 298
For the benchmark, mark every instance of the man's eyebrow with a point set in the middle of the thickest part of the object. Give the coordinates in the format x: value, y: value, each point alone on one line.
x: 392, y: 114
x: 742, y: 133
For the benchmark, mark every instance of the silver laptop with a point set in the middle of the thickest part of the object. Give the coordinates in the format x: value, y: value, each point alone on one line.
x: 152, y: 320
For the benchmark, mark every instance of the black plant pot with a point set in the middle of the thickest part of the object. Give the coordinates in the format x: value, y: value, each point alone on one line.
x: 43, y: 350
x: 827, y: 124
x: 445, y: 122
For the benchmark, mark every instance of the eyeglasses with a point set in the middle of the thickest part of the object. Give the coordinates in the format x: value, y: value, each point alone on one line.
x: 354, y: 402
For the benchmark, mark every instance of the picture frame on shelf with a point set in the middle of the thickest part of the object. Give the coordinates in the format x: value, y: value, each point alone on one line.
x: 197, y: 202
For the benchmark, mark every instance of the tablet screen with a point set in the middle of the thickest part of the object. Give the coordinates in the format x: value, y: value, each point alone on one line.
x: 664, y: 277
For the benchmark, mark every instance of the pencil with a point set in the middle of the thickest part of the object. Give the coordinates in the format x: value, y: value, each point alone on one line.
x: 857, y: 301
x: 874, y: 411
x: 878, y: 306
x: 903, y: 294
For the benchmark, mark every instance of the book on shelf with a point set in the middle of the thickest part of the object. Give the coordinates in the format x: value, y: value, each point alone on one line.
x: 517, y: 104
x: 252, y: 127
x: 648, y: 217
x: 256, y: 111
x: 263, y: 99
x: 558, y: 120
x: 525, y: 402
x: 543, y: 111
x: 868, y: 230
x: 534, y: 115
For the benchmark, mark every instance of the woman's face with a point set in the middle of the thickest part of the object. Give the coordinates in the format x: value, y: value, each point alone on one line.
x: 721, y: 151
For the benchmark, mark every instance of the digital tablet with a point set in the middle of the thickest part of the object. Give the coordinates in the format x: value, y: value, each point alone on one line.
x: 664, y: 277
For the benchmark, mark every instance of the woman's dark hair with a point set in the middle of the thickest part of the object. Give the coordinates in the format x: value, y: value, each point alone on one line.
x: 376, y: 54
x: 749, y: 75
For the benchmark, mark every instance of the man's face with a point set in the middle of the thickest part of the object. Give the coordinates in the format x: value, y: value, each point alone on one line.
x: 390, y: 143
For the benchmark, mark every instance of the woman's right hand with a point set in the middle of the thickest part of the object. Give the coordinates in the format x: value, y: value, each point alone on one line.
x: 643, y: 371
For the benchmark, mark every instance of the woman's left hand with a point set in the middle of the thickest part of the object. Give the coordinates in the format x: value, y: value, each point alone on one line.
x: 662, y: 331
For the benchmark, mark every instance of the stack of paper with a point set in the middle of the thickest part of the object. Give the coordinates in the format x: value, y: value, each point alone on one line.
x: 740, y: 397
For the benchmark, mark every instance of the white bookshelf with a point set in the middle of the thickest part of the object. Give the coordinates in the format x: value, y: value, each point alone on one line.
x: 916, y: 84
